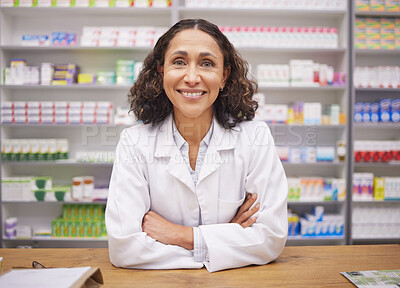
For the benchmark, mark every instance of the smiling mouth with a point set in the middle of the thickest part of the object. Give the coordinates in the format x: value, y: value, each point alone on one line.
x: 192, y: 94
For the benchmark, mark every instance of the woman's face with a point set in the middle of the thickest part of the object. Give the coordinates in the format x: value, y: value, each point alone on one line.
x: 193, y: 73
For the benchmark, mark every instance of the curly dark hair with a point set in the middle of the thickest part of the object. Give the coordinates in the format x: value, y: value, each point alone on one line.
x: 234, y: 104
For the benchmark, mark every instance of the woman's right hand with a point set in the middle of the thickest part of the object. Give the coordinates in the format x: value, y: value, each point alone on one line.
x: 244, y: 215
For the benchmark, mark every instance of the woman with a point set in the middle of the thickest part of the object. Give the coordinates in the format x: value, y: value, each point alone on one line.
x: 198, y: 184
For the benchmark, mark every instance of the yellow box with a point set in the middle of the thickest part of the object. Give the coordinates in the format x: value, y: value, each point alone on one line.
x: 86, y: 78
x: 377, y: 5
x: 362, y: 5
x: 373, y: 22
x: 379, y: 188
x: 387, y: 23
x: 392, y: 5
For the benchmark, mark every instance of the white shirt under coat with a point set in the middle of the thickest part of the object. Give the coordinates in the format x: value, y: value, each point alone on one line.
x: 149, y: 173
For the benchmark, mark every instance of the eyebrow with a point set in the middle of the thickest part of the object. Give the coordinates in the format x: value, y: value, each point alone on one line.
x: 202, y: 54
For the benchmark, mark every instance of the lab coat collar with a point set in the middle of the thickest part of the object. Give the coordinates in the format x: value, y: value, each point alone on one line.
x: 222, y: 139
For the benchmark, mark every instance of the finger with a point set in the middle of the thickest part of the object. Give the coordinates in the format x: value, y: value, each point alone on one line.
x: 249, y: 222
x: 250, y: 199
x: 246, y: 215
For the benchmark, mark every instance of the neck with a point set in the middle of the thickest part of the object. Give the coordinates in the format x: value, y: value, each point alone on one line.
x: 193, y: 130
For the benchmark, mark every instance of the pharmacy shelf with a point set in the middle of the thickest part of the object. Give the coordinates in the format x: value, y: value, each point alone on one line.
x: 45, y: 11
x: 55, y: 163
x: 296, y: 89
x: 306, y: 126
x: 49, y: 238
x: 19, y: 48
x: 308, y: 238
x: 187, y: 11
x: 67, y: 87
x: 376, y: 89
x: 377, y: 14
x: 11, y: 202
x: 376, y: 165
x: 377, y: 239
x: 376, y: 201
x: 59, y: 125
x: 314, y: 51
x: 377, y: 125
x: 299, y: 203
x: 316, y: 164
x: 377, y: 52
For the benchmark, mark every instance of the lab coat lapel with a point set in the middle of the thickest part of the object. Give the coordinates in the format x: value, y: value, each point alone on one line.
x: 166, y: 147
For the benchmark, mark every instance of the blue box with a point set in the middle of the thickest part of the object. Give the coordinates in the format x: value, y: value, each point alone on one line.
x: 358, y: 108
x: 385, y: 109
x: 395, y: 117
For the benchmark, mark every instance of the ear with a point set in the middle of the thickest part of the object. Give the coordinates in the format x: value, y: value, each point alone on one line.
x: 227, y: 72
x: 160, y: 69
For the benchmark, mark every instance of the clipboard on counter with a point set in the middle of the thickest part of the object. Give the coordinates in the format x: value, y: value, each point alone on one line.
x: 78, y: 277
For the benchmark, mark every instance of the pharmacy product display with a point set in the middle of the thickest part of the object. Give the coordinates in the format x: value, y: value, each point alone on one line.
x: 376, y: 121
x: 89, y: 3
x: 315, y: 105
x: 19, y: 73
x: 377, y: 33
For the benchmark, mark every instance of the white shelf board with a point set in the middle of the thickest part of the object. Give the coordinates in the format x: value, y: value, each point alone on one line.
x: 377, y: 89
x: 372, y: 165
x: 367, y: 238
x: 262, y: 11
x: 54, y: 163
x: 12, y: 202
x: 377, y: 52
x: 377, y: 125
x: 375, y: 201
x: 19, y: 48
x: 317, y: 164
x: 299, y: 203
x: 295, y: 89
x: 330, y: 51
x: 58, y: 125
x: 44, y: 238
x: 377, y: 14
x: 315, y: 238
x: 307, y: 126
x: 38, y: 11
x: 66, y: 87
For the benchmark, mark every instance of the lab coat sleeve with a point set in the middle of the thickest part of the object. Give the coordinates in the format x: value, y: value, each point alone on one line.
x: 128, y: 202
x: 230, y: 245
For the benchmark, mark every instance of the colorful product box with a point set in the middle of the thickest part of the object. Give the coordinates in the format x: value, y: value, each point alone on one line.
x: 373, y: 22
x: 362, y: 5
x: 377, y: 5
x: 388, y: 23
x: 392, y: 6
x: 373, y: 44
x: 395, y: 111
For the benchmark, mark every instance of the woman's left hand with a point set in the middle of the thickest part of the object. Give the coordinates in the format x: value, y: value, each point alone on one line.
x: 167, y: 232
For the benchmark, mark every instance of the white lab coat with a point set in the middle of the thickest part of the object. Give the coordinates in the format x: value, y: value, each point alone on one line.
x: 150, y: 174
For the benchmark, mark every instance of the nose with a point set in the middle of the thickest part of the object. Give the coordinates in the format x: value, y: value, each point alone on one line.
x: 192, y: 76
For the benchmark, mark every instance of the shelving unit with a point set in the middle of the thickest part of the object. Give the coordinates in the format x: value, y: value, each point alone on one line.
x: 375, y: 131
x: 16, y: 22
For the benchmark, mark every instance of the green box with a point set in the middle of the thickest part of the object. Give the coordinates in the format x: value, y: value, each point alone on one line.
x: 65, y: 228
x: 56, y: 227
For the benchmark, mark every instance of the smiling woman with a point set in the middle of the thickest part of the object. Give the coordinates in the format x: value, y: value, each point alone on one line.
x: 199, y: 183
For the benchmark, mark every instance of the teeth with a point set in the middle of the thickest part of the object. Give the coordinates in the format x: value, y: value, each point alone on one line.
x: 196, y: 94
